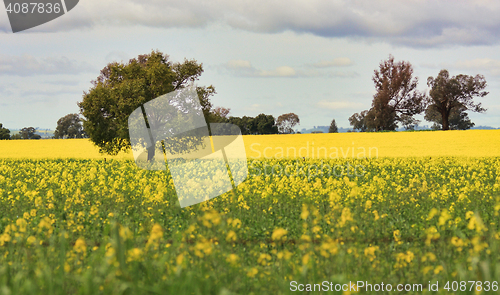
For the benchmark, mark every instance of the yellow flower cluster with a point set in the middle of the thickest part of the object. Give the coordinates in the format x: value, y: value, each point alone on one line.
x: 427, y: 218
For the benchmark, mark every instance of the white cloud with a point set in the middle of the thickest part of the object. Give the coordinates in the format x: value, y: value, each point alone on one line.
x: 256, y: 107
x: 239, y: 64
x: 337, y: 105
x: 284, y: 71
x: 245, y: 69
x: 337, y: 62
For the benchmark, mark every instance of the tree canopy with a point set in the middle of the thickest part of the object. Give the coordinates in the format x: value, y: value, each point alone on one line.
x: 458, y: 120
x: 69, y: 126
x: 4, y: 132
x: 358, y: 121
x: 333, y: 127
x: 121, y: 88
x: 397, y: 98
x: 286, y: 122
x: 29, y: 133
x: 262, y: 124
x: 455, y: 94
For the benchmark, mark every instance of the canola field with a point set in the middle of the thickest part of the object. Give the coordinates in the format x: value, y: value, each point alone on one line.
x: 79, y: 224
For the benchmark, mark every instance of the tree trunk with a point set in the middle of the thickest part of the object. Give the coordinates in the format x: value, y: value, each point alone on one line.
x: 151, y: 153
x: 446, y: 122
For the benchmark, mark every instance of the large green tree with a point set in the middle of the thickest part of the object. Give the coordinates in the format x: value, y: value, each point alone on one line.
x: 455, y: 94
x: 359, y: 121
x: 262, y: 124
x: 286, y: 122
x: 29, y: 133
x: 121, y: 88
x: 458, y: 120
x: 69, y: 126
x: 266, y: 124
x: 397, y: 98
x: 246, y: 124
x: 4, y: 132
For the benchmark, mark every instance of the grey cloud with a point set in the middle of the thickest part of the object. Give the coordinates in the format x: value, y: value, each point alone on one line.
x: 46, y: 92
x: 417, y: 23
x: 118, y: 56
x: 64, y: 82
x: 484, y: 66
x: 27, y: 65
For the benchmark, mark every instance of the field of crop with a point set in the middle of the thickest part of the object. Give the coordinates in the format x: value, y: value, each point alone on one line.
x: 82, y: 225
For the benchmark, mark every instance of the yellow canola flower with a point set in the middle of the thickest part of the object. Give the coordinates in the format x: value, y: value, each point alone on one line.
x: 429, y: 256
x: 476, y: 223
x: 203, y: 248
x: 134, y: 254
x: 21, y: 223
x: 438, y: 269
x: 305, y: 212
x: 466, y: 143
x: 211, y: 218
x: 426, y: 269
x: 264, y: 259
x: 397, y: 236
x: 125, y: 233
x: 284, y: 254
x: 156, y: 232
x: 155, y: 236
x: 252, y: 272
x: 368, y: 205
x: 232, y: 258
x: 80, y: 246
x: 31, y: 240
x: 432, y: 234
x: 4, y: 238
x: 278, y: 233
x: 345, y: 216
x: 179, y: 259
x: 403, y: 259
x: 478, y: 244
x: 432, y: 213
x: 370, y: 252
x: 231, y: 236
x: 445, y: 216
x: 305, y: 259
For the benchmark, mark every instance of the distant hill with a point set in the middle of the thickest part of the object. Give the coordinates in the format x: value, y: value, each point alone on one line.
x: 484, y: 127
x: 324, y: 129
x: 44, y: 133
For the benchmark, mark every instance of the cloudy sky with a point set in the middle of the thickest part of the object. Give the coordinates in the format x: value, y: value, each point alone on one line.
x: 314, y: 58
